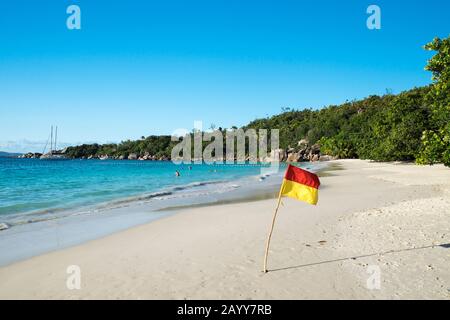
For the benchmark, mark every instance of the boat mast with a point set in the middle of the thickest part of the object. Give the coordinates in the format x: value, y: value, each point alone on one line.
x: 56, y: 136
x: 51, y: 141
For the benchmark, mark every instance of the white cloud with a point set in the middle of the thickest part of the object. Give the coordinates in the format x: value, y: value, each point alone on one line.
x: 24, y: 146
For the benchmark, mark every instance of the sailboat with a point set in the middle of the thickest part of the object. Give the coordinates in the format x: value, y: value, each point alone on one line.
x: 53, y: 154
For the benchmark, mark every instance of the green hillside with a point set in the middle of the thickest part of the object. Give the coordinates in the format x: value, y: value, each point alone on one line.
x: 411, y: 126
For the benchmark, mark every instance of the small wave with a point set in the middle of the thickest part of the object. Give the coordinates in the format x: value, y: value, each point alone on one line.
x: 29, y: 215
x: 135, y: 198
x: 57, y: 213
x: 201, y: 184
x: 173, y: 191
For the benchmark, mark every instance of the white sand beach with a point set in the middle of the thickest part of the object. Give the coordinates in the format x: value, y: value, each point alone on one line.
x: 391, y: 218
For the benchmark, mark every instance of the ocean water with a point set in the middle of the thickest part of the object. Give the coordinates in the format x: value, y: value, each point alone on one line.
x: 33, y: 190
x: 49, y: 205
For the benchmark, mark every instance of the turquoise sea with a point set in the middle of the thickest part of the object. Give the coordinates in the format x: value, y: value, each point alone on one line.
x: 33, y: 188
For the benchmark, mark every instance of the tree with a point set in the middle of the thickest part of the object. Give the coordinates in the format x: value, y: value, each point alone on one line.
x: 436, y: 141
x: 394, y: 133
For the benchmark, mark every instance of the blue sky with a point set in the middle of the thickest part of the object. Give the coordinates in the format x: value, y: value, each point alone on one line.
x: 149, y: 67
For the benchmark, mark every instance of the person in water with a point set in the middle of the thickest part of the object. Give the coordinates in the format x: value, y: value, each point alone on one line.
x: 177, y: 173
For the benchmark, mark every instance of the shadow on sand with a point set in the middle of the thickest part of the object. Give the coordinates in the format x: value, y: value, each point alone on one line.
x: 446, y: 246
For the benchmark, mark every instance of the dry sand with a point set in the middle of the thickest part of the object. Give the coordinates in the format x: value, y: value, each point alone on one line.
x: 372, y: 217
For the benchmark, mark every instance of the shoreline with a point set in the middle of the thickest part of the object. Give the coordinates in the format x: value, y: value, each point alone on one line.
x: 124, y: 200
x: 214, y: 252
x: 67, y: 228
x: 269, y: 193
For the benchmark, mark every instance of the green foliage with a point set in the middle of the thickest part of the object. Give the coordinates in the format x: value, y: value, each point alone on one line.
x: 382, y: 128
x: 82, y: 151
x: 337, y: 146
x: 395, y: 131
x: 434, y: 148
x: 159, y: 146
x: 436, y: 140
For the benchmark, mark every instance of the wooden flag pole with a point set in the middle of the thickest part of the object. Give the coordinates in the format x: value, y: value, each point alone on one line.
x: 270, y: 233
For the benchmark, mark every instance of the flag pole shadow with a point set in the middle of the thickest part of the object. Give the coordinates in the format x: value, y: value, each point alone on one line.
x: 445, y: 245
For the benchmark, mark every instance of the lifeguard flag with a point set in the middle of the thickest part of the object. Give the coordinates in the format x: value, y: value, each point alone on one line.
x: 301, y: 185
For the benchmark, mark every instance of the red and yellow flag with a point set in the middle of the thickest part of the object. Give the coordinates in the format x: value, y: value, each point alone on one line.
x: 301, y: 185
